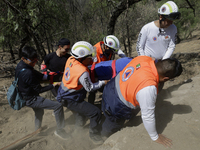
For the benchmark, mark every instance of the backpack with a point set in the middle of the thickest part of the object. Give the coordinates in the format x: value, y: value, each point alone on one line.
x: 13, y: 95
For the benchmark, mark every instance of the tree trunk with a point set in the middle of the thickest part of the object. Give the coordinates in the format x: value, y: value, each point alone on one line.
x: 22, y: 43
x: 116, y: 12
x: 128, y: 37
x: 11, y: 52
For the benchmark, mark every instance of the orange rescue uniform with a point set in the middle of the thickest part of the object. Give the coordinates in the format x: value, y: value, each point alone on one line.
x: 119, y: 96
x: 100, y: 56
x: 73, y: 70
x: 139, y: 73
x: 70, y: 81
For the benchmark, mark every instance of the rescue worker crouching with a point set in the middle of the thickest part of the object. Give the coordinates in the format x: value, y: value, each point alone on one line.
x: 76, y: 83
x: 106, y: 51
x: 136, y: 86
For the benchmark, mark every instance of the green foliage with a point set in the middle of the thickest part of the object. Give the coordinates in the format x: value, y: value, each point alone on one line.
x: 39, y: 19
x: 45, y: 22
x: 189, y: 20
x: 88, y: 20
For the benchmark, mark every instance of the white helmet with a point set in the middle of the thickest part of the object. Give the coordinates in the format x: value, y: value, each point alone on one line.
x: 169, y: 10
x: 112, y: 42
x: 82, y: 49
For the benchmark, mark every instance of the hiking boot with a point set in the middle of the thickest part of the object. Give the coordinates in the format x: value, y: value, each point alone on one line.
x: 96, y: 139
x: 62, y: 134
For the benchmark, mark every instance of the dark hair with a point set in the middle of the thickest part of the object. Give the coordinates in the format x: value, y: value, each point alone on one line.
x: 62, y: 42
x: 170, y: 67
x: 29, y: 52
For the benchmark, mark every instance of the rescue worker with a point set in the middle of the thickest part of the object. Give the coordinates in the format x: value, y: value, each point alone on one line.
x: 135, y: 88
x: 157, y: 38
x: 106, y: 50
x: 76, y: 83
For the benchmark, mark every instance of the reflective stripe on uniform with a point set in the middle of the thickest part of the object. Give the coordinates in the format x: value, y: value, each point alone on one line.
x: 128, y: 104
x: 69, y: 90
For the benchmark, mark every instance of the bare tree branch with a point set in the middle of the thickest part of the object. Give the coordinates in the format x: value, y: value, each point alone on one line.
x: 12, y: 7
x: 191, y: 6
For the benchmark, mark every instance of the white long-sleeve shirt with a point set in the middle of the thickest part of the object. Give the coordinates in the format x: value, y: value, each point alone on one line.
x: 87, y: 84
x: 146, y: 97
x: 156, y: 42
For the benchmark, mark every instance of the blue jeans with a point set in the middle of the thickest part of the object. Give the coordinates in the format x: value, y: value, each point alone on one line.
x: 38, y: 104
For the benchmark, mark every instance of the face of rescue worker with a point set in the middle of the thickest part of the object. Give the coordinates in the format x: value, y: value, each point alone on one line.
x: 64, y: 50
x: 88, y: 61
x: 108, y: 50
x: 165, y: 23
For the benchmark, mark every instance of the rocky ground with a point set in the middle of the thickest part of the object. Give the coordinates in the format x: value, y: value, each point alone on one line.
x: 177, y: 114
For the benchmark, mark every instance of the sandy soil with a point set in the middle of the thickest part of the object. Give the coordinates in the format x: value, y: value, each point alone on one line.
x: 177, y: 116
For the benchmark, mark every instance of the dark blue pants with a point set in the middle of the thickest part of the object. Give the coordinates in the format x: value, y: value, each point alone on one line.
x: 114, y: 110
x: 88, y: 110
x: 38, y: 104
x: 92, y: 95
x: 111, y: 124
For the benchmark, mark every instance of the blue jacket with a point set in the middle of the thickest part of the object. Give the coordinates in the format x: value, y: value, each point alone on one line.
x: 111, y: 103
x: 104, y: 70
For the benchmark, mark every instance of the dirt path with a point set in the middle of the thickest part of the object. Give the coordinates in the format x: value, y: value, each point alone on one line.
x: 177, y: 110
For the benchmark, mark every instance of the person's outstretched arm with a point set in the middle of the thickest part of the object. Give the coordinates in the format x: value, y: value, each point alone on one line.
x: 87, y: 83
x: 147, y: 98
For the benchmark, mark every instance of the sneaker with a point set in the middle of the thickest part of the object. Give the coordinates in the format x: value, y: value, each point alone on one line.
x: 62, y: 134
x: 96, y: 139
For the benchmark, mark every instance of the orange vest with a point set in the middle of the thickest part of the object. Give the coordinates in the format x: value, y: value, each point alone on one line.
x: 73, y: 70
x: 100, y: 56
x: 139, y: 73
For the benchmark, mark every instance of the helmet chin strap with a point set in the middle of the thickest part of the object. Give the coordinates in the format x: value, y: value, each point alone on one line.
x: 104, y: 51
x: 160, y: 21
